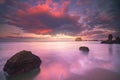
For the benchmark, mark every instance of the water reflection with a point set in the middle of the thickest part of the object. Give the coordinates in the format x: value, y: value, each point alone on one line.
x: 95, y: 74
x: 54, y: 68
x: 110, y: 49
x: 27, y: 76
x: 55, y: 71
x: 57, y: 67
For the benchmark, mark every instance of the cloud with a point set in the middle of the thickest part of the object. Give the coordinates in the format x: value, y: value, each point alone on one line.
x: 69, y: 17
x: 8, y: 30
x: 2, y: 1
x: 45, y: 18
x: 97, y: 33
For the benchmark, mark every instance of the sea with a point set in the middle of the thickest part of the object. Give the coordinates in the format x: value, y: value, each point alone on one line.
x: 64, y: 60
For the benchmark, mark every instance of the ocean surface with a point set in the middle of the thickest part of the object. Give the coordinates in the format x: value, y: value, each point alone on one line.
x: 64, y: 61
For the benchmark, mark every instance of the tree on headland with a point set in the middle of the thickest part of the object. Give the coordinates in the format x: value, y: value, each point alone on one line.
x: 110, y: 41
x: 110, y: 37
x: 117, y: 38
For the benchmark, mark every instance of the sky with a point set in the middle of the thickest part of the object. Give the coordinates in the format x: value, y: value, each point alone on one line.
x: 54, y: 20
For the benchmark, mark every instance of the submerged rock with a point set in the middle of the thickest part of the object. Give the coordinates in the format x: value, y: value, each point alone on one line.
x: 84, y: 49
x: 21, y: 62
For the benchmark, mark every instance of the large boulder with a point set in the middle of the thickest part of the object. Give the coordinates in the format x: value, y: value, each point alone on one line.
x: 21, y: 62
x: 84, y: 49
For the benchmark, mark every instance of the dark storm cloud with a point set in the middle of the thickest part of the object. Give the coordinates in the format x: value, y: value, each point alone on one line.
x: 4, y: 7
x: 115, y: 12
x: 104, y: 14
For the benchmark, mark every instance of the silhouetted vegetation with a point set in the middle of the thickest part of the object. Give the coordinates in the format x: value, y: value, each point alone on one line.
x: 111, y: 41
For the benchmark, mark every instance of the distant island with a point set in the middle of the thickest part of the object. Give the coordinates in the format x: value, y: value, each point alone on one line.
x: 111, y: 41
x: 78, y: 39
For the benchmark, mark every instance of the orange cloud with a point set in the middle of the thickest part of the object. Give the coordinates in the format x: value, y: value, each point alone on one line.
x: 38, y: 9
x: 44, y: 31
x: 46, y: 8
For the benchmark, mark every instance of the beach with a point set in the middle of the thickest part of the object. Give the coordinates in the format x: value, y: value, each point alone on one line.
x: 64, y: 60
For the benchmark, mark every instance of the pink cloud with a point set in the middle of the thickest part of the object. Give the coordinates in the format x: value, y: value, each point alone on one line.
x: 43, y: 18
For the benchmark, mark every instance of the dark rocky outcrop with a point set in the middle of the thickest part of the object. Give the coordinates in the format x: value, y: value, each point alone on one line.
x: 84, y: 49
x: 21, y: 62
x: 110, y: 41
x: 117, y: 40
x: 78, y: 39
x: 107, y: 42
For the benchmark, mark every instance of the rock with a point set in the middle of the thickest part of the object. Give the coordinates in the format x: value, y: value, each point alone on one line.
x: 84, y: 49
x: 78, y: 39
x: 26, y: 76
x: 21, y: 62
x: 107, y: 42
x: 110, y: 41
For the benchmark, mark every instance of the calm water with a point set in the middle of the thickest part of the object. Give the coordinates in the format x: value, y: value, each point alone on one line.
x: 64, y: 61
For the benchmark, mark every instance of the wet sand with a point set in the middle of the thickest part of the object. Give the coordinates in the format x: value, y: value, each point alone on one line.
x: 96, y: 74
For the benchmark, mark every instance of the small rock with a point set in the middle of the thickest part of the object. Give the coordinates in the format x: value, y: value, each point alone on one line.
x: 84, y: 49
x: 78, y: 39
x: 21, y: 62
